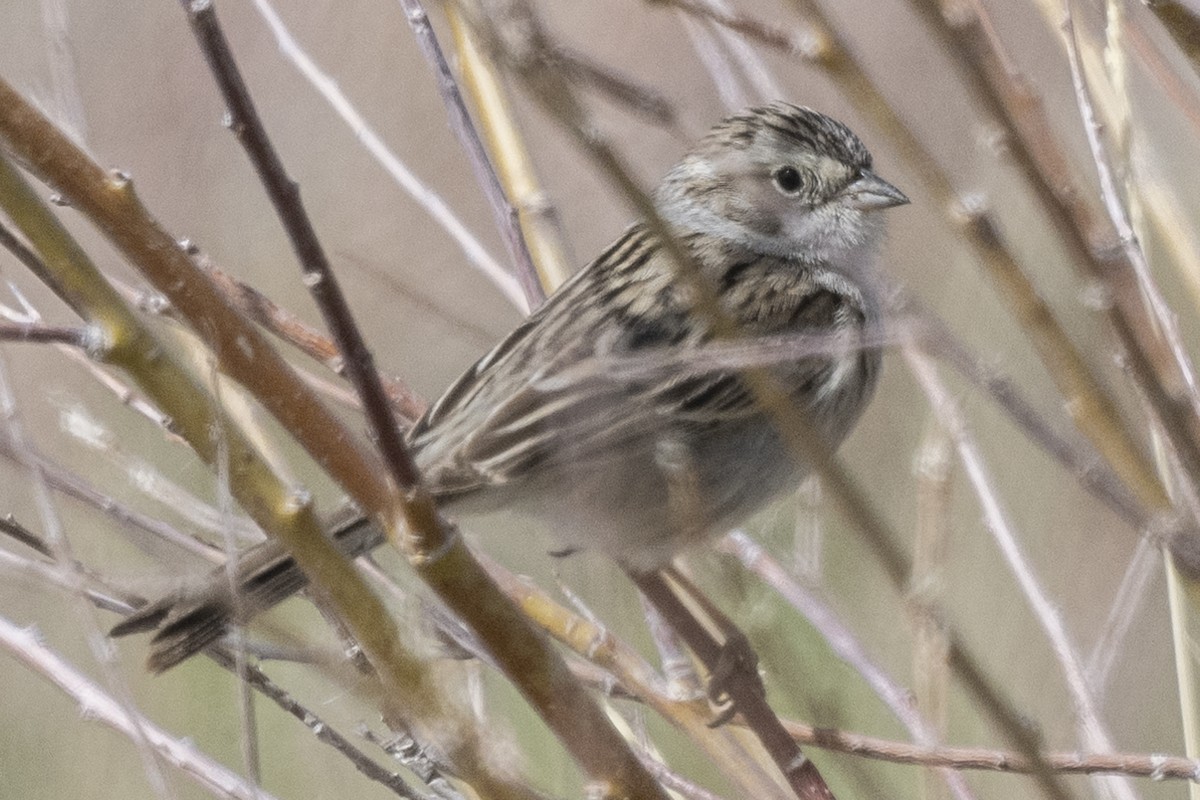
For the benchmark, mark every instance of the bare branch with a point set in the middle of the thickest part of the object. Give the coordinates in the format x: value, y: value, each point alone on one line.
x: 95, y: 703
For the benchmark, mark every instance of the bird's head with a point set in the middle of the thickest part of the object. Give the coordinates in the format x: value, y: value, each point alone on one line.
x: 782, y: 180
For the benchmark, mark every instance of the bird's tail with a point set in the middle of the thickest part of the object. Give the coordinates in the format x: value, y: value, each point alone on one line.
x: 193, y: 617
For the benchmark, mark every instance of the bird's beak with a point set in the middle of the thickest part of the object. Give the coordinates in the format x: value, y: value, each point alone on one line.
x: 872, y: 192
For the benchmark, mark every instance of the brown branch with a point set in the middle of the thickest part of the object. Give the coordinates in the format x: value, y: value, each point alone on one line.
x: 293, y: 330
x: 740, y: 682
x: 1155, y: 767
x: 37, y: 333
x: 434, y: 548
x: 1183, y: 24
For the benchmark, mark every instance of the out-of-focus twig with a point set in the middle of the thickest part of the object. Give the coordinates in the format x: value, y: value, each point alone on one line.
x: 803, y: 43
x: 95, y: 703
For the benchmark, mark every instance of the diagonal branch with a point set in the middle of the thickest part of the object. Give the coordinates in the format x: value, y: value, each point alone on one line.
x: 434, y: 548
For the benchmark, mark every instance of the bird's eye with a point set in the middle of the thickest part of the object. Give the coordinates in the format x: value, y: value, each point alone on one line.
x: 787, y: 179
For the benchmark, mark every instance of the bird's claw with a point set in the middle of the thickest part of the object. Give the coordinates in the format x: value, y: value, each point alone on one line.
x: 736, y: 662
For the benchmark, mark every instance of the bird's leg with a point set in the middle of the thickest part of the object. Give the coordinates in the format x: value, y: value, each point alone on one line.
x: 740, y: 682
x: 736, y: 659
x: 729, y: 659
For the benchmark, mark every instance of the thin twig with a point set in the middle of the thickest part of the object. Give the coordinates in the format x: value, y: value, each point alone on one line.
x: 1155, y: 767
x: 75, y: 486
x: 1131, y: 593
x: 37, y: 333
x: 503, y: 212
x: 318, y: 727
x: 842, y: 642
x: 512, y: 288
x: 95, y: 703
x: 602, y: 78
x: 13, y: 244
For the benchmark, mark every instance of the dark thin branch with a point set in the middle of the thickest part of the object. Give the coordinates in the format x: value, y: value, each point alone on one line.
x: 503, y: 212
x: 18, y: 532
x: 292, y: 329
x: 36, y: 333
x: 284, y: 195
x: 13, y: 244
x: 742, y: 685
x: 439, y: 555
x: 366, y: 765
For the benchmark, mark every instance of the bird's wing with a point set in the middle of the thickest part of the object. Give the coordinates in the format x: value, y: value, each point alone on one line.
x: 566, y: 404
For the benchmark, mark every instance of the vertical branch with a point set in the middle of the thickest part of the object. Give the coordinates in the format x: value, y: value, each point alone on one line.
x: 934, y: 472
x: 1184, y: 614
x: 536, y: 214
x: 506, y: 216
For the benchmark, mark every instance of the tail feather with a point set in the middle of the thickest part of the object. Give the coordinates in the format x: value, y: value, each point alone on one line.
x: 192, y: 618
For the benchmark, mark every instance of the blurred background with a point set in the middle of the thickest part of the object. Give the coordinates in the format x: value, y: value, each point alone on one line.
x: 139, y: 98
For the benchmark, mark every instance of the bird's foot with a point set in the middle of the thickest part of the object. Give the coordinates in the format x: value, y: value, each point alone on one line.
x: 737, y: 663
